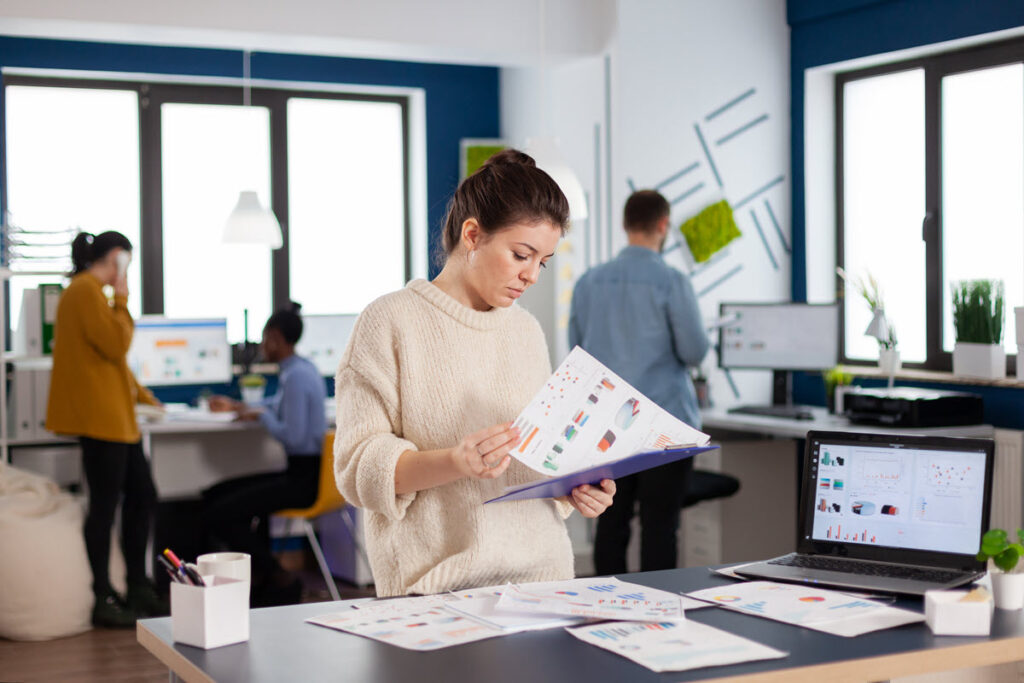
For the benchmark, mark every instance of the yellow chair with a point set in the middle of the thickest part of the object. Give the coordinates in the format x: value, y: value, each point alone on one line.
x: 328, y: 499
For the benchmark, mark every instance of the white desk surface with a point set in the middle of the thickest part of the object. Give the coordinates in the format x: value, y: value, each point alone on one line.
x: 720, y: 418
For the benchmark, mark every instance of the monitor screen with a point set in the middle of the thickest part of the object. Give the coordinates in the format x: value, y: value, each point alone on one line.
x: 166, y: 351
x: 323, y: 340
x: 779, y: 336
x: 914, y: 498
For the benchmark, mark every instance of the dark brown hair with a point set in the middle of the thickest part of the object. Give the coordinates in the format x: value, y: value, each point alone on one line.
x: 643, y: 210
x: 508, y: 189
x: 86, y: 248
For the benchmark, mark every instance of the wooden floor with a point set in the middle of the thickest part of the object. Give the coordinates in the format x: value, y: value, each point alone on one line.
x: 110, y: 654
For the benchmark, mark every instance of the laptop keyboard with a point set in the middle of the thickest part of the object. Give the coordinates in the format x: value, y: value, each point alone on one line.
x: 837, y: 564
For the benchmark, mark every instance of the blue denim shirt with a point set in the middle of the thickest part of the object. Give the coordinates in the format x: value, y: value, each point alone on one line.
x: 639, y: 316
x: 295, y: 414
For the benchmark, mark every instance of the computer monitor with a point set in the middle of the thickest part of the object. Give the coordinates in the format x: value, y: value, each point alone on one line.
x: 324, y: 338
x: 168, y: 351
x: 786, y: 336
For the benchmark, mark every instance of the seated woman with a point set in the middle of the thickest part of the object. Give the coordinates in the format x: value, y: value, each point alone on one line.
x: 295, y: 417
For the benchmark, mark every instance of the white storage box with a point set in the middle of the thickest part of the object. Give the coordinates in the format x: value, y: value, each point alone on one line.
x: 948, y: 614
x: 210, y: 616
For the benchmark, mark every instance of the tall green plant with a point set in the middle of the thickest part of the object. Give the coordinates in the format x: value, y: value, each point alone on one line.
x: 978, y: 311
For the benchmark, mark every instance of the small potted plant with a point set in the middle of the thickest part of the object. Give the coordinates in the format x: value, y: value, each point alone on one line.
x: 252, y: 387
x: 1002, y: 556
x: 834, y: 379
x: 881, y: 328
x: 978, y: 321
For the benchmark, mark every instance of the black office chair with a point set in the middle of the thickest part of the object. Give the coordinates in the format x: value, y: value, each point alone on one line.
x: 704, y: 485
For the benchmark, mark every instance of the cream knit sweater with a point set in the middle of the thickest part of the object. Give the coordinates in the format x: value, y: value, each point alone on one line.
x: 421, y: 372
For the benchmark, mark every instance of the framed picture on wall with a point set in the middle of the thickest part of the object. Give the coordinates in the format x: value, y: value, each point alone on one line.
x: 474, y: 153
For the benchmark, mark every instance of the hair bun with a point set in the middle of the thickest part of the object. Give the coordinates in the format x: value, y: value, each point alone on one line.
x: 294, y: 307
x: 511, y: 157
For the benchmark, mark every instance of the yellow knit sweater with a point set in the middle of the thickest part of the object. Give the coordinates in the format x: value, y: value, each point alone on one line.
x: 92, y: 391
x: 421, y: 372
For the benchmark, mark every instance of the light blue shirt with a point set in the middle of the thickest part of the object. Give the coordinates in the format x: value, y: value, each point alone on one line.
x: 295, y: 414
x: 639, y: 316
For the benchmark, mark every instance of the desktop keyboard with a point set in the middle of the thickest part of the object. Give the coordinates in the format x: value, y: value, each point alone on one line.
x: 892, y: 571
x: 786, y: 412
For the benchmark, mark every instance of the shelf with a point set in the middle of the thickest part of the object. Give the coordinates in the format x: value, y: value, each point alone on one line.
x: 932, y: 376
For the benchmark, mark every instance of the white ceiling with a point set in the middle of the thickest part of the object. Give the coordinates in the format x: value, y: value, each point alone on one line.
x: 496, y: 32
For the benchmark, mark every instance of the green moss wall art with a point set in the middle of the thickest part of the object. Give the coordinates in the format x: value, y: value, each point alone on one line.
x: 710, y: 230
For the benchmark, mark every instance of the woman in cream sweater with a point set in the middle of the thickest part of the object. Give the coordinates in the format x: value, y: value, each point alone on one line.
x: 426, y: 390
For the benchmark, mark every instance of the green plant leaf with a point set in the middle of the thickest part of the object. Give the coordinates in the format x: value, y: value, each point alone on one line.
x: 1020, y: 535
x: 1007, y: 559
x: 994, y: 542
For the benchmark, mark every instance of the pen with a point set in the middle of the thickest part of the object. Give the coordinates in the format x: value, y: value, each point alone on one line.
x: 193, y: 574
x: 177, y: 565
x: 169, y: 567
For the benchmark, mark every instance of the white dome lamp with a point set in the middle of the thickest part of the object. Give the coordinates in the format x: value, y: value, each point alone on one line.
x: 250, y: 223
x: 545, y: 153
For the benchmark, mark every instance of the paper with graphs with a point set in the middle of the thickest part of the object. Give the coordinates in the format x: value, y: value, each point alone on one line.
x: 601, y: 598
x: 586, y: 415
x: 674, y: 645
x: 813, y: 608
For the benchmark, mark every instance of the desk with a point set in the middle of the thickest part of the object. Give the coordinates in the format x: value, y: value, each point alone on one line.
x: 282, y: 647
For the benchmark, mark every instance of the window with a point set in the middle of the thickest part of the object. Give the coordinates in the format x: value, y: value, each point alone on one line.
x: 72, y: 159
x: 346, y: 202
x: 164, y: 164
x: 930, y: 190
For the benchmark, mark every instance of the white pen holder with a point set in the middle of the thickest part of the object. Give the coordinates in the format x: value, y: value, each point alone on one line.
x: 210, y: 616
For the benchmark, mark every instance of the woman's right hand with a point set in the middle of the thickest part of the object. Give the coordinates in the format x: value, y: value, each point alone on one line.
x: 121, y: 286
x: 484, y: 454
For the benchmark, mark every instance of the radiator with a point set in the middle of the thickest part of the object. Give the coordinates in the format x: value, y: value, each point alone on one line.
x: 1008, y: 481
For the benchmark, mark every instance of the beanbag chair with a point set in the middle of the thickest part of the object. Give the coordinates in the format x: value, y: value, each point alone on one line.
x: 45, y: 580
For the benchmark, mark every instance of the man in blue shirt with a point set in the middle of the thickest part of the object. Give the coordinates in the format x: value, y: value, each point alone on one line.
x: 295, y: 417
x: 639, y: 316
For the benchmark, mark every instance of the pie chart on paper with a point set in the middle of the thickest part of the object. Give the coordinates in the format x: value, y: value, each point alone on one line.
x: 627, y: 413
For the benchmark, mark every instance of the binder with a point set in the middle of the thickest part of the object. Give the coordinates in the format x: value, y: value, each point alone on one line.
x: 563, y: 485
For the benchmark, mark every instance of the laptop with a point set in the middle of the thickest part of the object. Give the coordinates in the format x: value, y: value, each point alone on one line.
x: 887, y: 513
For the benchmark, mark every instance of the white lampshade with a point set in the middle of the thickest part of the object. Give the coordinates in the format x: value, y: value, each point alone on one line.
x: 545, y: 153
x: 250, y: 223
x: 879, y: 326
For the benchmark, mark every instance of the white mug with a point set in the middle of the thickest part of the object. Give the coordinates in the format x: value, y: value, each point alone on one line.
x: 228, y: 564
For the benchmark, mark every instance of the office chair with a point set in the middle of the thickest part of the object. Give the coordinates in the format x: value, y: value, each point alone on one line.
x: 704, y: 485
x: 328, y: 499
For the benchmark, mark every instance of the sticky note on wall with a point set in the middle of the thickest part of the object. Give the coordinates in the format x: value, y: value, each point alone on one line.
x: 710, y: 230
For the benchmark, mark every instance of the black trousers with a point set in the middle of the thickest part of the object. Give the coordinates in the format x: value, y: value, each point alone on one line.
x: 117, y: 473
x: 659, y: 492
x: 236, y: 511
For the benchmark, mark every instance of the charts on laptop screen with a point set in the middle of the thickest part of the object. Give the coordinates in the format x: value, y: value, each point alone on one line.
x: 916, y: 499
x: 323, y: 341
x: 166, y: 351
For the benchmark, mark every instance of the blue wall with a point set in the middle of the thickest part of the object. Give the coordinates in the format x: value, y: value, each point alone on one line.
x: 824, y: 32
x: 461, y: 101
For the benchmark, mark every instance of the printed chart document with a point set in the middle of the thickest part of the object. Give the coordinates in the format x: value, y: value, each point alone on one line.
x: 813, y: 608
x: 482, y: 605
x: 601, y: 598
x: 587, y: 424
x: 674, y: 645
x: 410, y: 623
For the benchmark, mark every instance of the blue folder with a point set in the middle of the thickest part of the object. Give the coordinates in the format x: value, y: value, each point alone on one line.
x: 563, y: 485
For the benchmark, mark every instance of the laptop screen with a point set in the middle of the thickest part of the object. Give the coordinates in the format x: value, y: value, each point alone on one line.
x: 898, y: 495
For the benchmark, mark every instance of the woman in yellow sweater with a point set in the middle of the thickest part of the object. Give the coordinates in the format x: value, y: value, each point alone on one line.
x: 92, y: 397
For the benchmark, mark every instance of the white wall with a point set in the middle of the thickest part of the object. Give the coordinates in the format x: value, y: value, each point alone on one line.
x: 673, y: 63
x: 474, y: 31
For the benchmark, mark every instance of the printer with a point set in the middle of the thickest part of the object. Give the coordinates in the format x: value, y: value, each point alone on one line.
x: 912, y: 407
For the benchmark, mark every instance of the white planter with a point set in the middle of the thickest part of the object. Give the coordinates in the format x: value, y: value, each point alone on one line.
x: 985, y: 361
x: 889, y: 361
x: 252, y: 395
x: 1007, y: 589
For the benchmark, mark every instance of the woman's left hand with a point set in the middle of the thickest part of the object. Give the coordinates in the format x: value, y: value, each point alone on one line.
x: 591, y: 501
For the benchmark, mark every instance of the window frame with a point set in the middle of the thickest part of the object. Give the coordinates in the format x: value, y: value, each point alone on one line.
x: 154, y: 94
x: 935, y: 67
